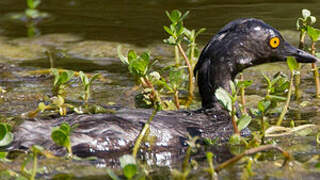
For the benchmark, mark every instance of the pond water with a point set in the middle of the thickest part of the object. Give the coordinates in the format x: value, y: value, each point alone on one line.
x: 84, y: 35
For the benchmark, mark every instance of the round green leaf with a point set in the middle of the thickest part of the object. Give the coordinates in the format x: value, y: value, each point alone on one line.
x: 59, y: 137
x: 3, y: 130
x: 65, y: 127
x: 130, y: 170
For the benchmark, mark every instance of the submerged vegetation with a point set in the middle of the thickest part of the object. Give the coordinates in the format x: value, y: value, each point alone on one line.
x: 172, y: 88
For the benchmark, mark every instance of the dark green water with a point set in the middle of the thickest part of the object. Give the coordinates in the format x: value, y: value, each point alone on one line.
x: 141, y: 21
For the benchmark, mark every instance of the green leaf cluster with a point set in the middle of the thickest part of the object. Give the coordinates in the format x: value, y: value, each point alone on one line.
x: 61, y: 136
x: 138, y: 66
x: 305, y: 21
x: 61, y: 80
x: 86, y: 84
x: 176, y: 29
x: 228, y: 100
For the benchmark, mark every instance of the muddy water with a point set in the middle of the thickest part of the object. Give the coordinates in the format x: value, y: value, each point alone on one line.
x: 84, y: 35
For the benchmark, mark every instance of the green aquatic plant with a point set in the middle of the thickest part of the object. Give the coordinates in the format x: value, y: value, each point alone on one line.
x: 210, y: 170
x: 190, y: 39
x: 56, y: 104
x: 86, y: 85
x: 277, y: 87
x: 187, y: 162
x: 228, y: 101
x: 61, y: 81
x: 314, y: 35
x: 293, y: 67
x: 302, y: 26
x: 33, y: 155
x: 32, y: 11
x: 61, y: 136
x: 140, y: 67
x: 130, y: 169
x: 178, y: 33
x: 253, y: 151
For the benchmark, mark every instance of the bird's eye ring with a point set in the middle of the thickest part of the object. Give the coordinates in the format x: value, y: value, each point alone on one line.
x: 274, y: 42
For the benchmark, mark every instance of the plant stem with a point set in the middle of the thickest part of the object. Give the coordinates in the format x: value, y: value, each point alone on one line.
x: 69, y: 148
x: 315, y: 71
x: 285, y: 108
x: 192, y: 47
x: 185, y: 164
x: 176, y: 99
x: 233, y: 118
x: 211, y: 170
x: 177, y: 56
x: 147, y: 84
x: 262, y: 128
x: 250, y: 152
x: 243, y: 98
x: 34, y: 167
x: 142, y: 134
x: 50, y: 57
x: 191, y: 88
x: 297, y: 76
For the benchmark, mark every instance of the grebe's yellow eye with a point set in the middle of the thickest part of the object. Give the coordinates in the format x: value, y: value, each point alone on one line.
x: 274, y: 42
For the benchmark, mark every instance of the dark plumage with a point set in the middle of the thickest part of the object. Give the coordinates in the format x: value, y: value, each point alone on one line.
x: 240, y: 44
